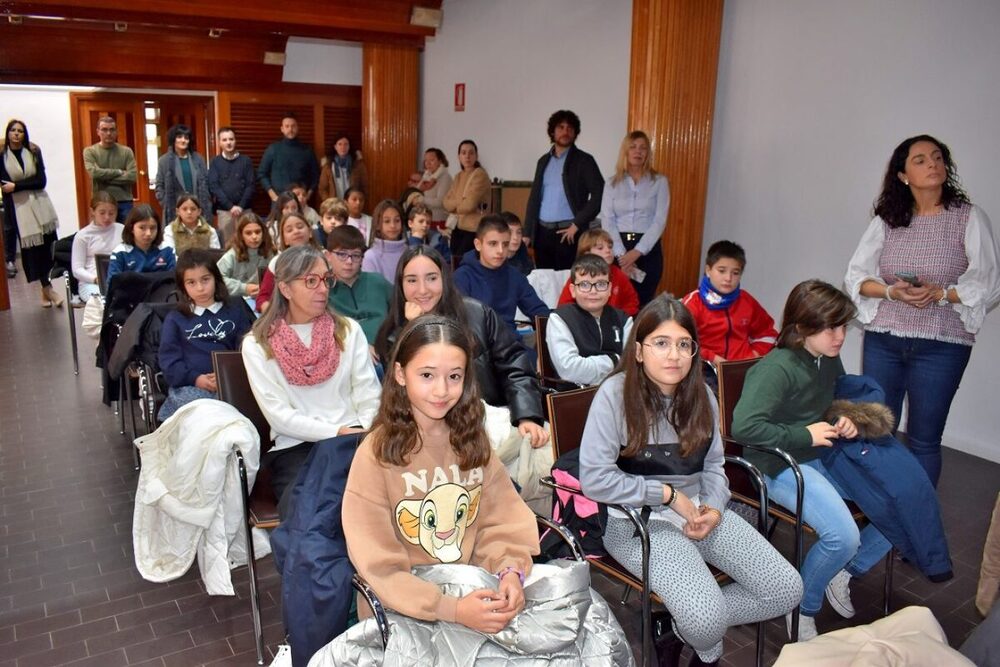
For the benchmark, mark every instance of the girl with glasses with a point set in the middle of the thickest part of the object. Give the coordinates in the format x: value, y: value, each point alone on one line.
x: 652, y: 441
x: 308, y: 367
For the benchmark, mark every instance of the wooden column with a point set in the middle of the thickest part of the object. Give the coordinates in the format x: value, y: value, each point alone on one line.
x: 675, y: 56
x: 390, y: 101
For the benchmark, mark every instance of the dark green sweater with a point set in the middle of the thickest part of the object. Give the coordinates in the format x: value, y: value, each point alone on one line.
x: 784, y: 392
x: 366, y: 302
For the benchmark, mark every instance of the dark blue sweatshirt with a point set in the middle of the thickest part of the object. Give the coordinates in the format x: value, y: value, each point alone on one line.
x: 504, y: 289
x: 187, y: 343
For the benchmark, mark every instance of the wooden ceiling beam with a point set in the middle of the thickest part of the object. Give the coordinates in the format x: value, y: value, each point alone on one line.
x: 379, y: 20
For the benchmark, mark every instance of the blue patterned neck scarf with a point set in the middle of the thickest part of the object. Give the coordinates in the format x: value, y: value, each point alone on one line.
x: 713, y: 300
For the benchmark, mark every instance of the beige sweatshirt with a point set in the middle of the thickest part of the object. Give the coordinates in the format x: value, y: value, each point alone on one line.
x: 430, y: 512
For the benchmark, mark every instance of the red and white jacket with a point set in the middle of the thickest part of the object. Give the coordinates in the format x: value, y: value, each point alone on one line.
x: 732, y: 333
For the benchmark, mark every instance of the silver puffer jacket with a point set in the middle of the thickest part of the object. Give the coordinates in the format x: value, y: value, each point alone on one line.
x: 563, y: 623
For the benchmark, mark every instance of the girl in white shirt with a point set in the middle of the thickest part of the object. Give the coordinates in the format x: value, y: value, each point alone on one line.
x: 308, y: 367
x: 101, y: 236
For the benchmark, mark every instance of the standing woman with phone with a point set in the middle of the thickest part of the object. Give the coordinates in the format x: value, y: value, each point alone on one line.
x: 27, y: 209
x: 923, y: 277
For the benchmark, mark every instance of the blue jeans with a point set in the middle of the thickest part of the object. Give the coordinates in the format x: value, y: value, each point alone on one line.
x: 841, y: 545
x: 928, y: 372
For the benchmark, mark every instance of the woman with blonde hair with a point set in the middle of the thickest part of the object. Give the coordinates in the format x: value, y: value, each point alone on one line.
x: 634, y: 211
x: 308, y: 367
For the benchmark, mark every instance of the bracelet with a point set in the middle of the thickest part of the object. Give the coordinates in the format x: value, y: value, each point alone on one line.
x: 944, y: 301
x: 706, y: 509
x: 673, y: 495
x: 888, y: 294
x: 507, y: 570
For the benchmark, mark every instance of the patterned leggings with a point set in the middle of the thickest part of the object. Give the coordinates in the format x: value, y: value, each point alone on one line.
x: 765, y: 585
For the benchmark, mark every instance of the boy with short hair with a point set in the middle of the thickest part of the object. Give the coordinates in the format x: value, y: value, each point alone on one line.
x: 420, y: 232
x: 517, y: 252
x: 332, y: 213
x: 302, y: 194
x: 623, y: 295
x: 731, y: 324
x: 360, y: 295
x: 485, y: 275
x: 356, y: 217
x: 585, y: 338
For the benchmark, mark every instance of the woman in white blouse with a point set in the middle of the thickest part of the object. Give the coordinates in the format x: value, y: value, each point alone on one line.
x: 634, y: 211
x: 308, y: 367
x: 435, y: 183
x: 923, y: 277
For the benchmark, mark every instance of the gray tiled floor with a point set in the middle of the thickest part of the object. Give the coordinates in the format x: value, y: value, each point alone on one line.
x: 70, y: 593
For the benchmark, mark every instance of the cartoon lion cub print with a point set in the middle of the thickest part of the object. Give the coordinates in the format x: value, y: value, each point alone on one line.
x: 438, y: 521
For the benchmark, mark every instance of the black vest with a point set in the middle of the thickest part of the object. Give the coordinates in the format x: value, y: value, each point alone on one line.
x: 663, y: 459
x: 591, y: 340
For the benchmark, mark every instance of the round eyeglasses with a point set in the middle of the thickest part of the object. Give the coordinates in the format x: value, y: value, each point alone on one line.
x: 662, y: 345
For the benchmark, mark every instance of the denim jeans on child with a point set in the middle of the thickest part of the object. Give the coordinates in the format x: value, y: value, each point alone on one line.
x: 928, y: 372
x: 840, y: 545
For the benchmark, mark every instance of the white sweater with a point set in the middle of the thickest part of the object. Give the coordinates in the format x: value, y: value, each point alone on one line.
x: 312, y: 413
x: 90, y: 242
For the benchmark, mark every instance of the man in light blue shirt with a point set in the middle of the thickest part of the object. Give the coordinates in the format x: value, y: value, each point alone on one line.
x: 565, y: 195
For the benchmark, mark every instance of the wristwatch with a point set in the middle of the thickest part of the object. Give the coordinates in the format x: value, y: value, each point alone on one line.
x: 943, y: 301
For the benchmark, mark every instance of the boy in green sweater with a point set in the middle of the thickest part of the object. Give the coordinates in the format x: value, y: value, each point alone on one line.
x: 360, y: 295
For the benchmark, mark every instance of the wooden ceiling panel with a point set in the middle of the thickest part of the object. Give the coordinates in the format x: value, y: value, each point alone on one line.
x: 352, y: 20
x: 97, y: 55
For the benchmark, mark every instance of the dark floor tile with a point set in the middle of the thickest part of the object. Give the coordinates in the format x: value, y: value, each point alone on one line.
x: 84, y: 631
x: 53, y: 657
x: 158, y: 647
x: 120, y: 639
x: 147, y: 614
x: 199, y: 655
x: 47, y: 624
x: 112, y: 659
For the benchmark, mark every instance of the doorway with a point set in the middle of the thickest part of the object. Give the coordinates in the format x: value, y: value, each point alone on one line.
x: 143, y: 122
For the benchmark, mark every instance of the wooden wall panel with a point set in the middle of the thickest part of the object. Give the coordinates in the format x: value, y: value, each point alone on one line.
x: 256, y: 117
x: 675, y: 56
x: 389, y: 113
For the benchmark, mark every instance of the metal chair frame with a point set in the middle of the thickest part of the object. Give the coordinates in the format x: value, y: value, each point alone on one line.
x: 779, y: 512
x: 613, y: 569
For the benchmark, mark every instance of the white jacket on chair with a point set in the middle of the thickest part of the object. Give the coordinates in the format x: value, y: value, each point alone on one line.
x: 188, y: 500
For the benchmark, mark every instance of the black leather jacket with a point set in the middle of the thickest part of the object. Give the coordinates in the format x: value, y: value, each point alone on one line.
x: 504, y: 368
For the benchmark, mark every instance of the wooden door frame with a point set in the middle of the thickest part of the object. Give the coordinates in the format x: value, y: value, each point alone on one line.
x: 123, y: 99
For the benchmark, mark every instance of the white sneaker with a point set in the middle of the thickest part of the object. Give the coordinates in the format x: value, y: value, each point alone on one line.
x: 807, y: 627
x: 283, y: 658
x: 77, y: 302
x: 838, y: 592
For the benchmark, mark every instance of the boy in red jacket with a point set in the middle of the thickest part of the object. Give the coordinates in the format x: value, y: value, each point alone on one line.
x: 731, y: 324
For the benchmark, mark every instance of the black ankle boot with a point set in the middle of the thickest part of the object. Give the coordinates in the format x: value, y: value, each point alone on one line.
x: 696, y: 661
x: 667, y: 644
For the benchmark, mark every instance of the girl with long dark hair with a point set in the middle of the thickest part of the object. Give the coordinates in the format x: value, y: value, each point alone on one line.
x: 652, y: 440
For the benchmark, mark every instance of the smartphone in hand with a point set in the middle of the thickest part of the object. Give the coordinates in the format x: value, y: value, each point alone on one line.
x: 909, y: 277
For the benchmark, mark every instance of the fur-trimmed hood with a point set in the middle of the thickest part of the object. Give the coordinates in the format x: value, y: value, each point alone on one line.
x: 874, y: 420
x: 862, y: 400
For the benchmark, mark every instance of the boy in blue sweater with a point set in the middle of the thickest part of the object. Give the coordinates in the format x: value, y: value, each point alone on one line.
x: 486, y: 276
x: 205, y: 320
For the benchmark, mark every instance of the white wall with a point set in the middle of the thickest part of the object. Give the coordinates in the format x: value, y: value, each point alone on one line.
x: 322, y: 61
x: 45, y: 110
x: 812, y: 98
x: 521, y: 60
